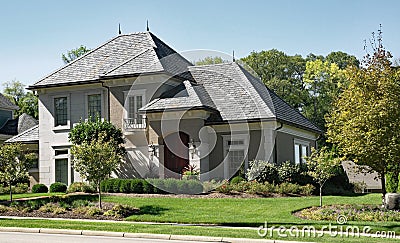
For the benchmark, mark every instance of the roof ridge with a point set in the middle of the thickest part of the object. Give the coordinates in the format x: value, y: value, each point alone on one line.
x: 69, y: 64
x: 210, y: 65
x: 128, y: 60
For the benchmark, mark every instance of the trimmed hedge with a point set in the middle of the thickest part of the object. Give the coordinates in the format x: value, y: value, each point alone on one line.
x: 157, y: 186
x: 40, y: 188
x: 58, y: 187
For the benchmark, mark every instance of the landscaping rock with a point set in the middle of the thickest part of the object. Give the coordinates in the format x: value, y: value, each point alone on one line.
x: 392, y: 201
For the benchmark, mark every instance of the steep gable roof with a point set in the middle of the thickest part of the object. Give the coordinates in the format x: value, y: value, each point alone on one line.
x: 130, y: 54
x: 5, y: 103
x: 29, y: 136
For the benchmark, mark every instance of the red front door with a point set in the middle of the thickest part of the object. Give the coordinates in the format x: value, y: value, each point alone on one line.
x: 176, y: 154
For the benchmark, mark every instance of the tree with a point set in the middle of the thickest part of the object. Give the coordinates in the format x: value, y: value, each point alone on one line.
x: 210, y: 60
x: 324, y: 82
x: 74, y: 54
x: 91, y: 131
x: 95, y: 160
x: 342, y: 59
x: 27, y: 101
x: 281, y: 73
x: 365, y: 120
x: 14, y: 90
x: 14, y: 164
x: 97, y: 150
x: 322, y: 165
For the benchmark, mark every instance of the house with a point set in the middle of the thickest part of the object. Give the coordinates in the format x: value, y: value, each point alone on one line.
x: 7, y: 126
x: 217, y: 117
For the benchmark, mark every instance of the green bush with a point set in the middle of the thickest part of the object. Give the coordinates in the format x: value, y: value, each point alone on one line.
x: 288, y: 188
x: 307, y: 190
x: 125, y: 186
x: 158, y: 185
x: 170, y: 185
x: 52, y: 208
x: 121, y: 211
x: 288, y: 172
x: 237, y: 179
x: 58, y: 187
x: 40, y: 188
x: 116, y: 185
x: 80, y: 187
x: 147, y: 187
x: 136, y: 185
x: 194, y: 186
x: 262, y: 171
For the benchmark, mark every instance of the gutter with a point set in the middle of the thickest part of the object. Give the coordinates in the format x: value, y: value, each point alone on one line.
x: 276, y: 144
x: 108, y: 100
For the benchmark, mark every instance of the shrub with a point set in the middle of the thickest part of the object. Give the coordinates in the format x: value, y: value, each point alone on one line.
x: 224, y: 188
x: 125, y: 186
x: 40, y: 188
x: 136, y: 186
x: 262, y: 171
x: 158, y: 185
x: 93, y: 211
x: 58, y: 187
x: 307, y: 190
x: 121, y: 211
x: 210, y: 185
x: 80, y: 187
x: 147, y: 187
x: 237, y: 179
x: 288, y: 188
x: 52, y: 208
x: 288, y: 172
x: 80, y: 203
x: 116, y: 183
x: 265, y: 188
x: 170, y: 185
x: 194, y: 186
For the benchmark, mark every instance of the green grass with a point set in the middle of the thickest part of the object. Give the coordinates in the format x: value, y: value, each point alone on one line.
x: 223, y: 211
x: 6, y: 197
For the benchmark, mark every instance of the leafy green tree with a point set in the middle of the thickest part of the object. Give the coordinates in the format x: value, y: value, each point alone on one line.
x: 365, y: 120
x: 322, y: 165
x: 210, y: 60
x: 324, y: 83
x: 85, y: 132
x: 281, y: 73
x: 342, y: 59
x: 74, y: 54
x: 14, y: 90
x: 95, y: 160
x: 27, y: 101
x: 14, y: 164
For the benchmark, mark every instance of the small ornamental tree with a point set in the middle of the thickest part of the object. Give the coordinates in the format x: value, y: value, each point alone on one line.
x: 322, y: 165
x: 92, y: 129
x: 95, y: 160
x: 97, y: 149
x: 14, y: 164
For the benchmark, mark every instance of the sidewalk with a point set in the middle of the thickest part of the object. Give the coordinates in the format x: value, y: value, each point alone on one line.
x: 140, y: 235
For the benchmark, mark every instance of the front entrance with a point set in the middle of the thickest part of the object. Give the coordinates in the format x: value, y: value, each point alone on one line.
x: 176, y: 154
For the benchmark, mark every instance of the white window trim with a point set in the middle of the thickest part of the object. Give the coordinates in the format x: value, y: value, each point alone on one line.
x: 244, y: 146
x: 131, y: 93
x: 303, y: 143
x: 86, y: 108
x: 62, y: 127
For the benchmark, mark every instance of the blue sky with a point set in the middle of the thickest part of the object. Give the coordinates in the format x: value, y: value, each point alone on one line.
x: 34, y: 34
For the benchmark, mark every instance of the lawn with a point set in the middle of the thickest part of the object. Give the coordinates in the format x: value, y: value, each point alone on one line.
x: 6, y: 197
x: 223, y: 211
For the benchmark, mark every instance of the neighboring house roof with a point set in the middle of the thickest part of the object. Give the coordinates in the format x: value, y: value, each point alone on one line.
x: 235, y: 94
x: 30, y: 135
x: 124, y: 55
x: 185, y: 96
x: 7, y: 104
x: 356, y: 175
x: 18, y: 125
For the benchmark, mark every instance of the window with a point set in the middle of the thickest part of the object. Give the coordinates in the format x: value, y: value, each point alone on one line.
x: 94, y: 106
x: 235, y: 151
x: 135, y: 102
x: 301, y: 149
x: 61, y: 170
x: 61, y: 111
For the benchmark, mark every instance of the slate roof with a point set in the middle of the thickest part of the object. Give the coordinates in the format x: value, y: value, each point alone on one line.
x: 7, y: 104
x: 28, y: 136
x: 185, y: 96
x: 124, y: 55
x: 18, y: 125
x: 235, y: 94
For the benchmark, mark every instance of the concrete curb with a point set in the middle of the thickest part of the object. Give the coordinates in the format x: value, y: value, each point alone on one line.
x: 139, y: 235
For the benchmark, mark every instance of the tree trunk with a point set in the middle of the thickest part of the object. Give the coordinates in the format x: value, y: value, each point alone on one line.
x: 383, y: 184
x: 320, y: 195
x: 99, y: 196
x: 10, y: 192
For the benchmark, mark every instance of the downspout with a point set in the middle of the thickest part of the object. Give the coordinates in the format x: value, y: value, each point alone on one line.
x: 108, y: 100
x: 276, y: 144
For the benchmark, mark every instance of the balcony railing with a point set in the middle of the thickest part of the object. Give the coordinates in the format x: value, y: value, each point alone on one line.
x: 135, y: 123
